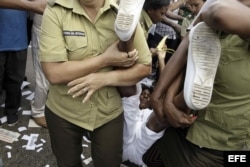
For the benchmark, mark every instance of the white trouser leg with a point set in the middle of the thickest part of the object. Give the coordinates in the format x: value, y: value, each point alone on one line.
x: 41, y: 83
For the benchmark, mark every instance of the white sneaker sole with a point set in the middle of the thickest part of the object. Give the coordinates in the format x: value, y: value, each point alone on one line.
x: 128, y: 15
x: 203, y: 59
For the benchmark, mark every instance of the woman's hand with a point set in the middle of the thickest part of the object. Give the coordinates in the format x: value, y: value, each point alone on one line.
x: 175, y: 117
x: 114, y: 57
x: 88, y: 85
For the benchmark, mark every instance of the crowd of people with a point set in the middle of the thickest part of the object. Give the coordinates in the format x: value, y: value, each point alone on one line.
x: 153, y: 82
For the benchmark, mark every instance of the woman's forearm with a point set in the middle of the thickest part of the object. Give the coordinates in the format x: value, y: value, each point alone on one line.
x: 37, y: 6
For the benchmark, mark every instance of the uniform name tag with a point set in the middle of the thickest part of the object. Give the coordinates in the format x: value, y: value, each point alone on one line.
x: 73, y: 33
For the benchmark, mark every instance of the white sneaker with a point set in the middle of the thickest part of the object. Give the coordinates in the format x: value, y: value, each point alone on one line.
x: 203, y: 59
x: 128, y: 15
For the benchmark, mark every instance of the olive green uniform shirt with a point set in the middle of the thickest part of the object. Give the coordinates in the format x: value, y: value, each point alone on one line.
x: 145, y: 22
x: 67, y: 34
x: 225, y: 123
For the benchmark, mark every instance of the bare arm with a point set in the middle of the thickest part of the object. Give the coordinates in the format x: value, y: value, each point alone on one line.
x: 37, y: 6
x: 172, y: 24
x: 120, y: 77
x: 177, y: 114
x: 174, y: 16
x: 161, y: 58
x: 172, y: 69
x: 174, y: 66
x: 64, y: 72
x: 230, y: 16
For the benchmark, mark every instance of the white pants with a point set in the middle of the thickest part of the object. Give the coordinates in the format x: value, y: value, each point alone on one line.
x: 41, y: 83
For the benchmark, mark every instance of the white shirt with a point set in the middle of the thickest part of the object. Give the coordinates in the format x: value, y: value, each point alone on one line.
x: 137, y: 138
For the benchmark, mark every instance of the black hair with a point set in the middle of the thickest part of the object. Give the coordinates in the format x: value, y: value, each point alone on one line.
x: 155, y: 4
x: 144, y: 86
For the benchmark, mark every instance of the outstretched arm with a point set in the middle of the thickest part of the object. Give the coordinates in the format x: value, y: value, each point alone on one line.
x: 173, y: 16
x: 37, y: 6
x: 172, y: 69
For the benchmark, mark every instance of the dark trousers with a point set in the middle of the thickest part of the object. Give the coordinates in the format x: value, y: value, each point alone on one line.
x: 12, y: 72
x: 176, y: 151
x: 66, y: 139
x: 152, y: 157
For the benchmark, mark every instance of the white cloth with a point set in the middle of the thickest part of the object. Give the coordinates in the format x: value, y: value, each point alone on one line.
x: 41, y: 83
x: 152, y: 29
x: 137, y: 138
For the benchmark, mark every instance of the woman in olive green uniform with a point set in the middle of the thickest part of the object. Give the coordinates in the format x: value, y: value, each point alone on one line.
x: 79, y: 55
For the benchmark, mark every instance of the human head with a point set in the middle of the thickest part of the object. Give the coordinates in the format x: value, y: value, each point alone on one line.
x: 145, y: 96
x: 195, y: 5
x: 156, y: 9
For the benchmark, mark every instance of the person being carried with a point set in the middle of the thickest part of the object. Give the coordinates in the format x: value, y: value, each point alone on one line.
x: 141, y: 126
x: 138, y: 135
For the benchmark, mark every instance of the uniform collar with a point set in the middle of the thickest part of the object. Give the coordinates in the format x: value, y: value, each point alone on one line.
x: 146, y: 20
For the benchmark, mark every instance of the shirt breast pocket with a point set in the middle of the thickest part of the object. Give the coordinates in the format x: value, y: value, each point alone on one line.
x: 74, y: 43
